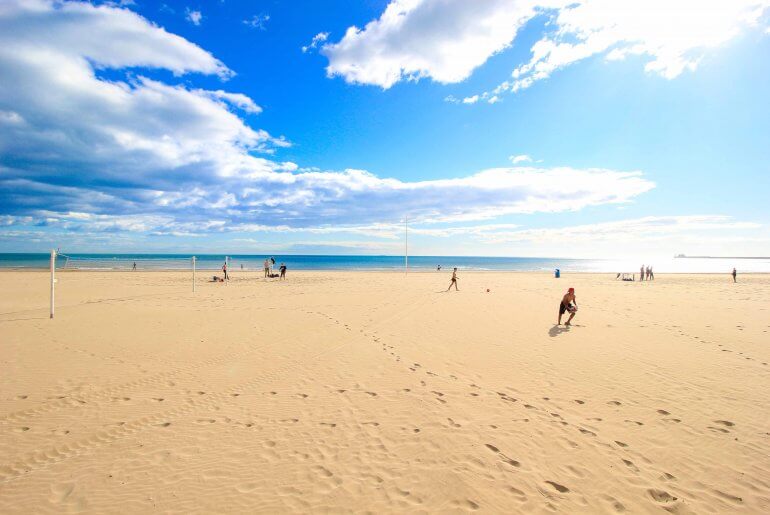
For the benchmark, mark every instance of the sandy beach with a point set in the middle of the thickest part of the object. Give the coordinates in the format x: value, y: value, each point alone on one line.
x: 376, y: 392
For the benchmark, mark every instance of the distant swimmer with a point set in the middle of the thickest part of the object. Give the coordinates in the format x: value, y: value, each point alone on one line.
x: 454, y: 281
x: 438, y: 268
x: 568, y: 303
x: 735, y: 273
x: 283, y: 271
x: 224, y: 271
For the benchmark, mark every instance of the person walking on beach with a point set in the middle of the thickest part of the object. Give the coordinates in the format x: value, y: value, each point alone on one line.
x: 224, y: 271
x: 650, y: 275
x: 283, y: 271
x: 454, y: 280
x: 568, y: 303
x: 134, y: 267
x: 267, y: 268
x: 641, y: 273
x: 735, y: 273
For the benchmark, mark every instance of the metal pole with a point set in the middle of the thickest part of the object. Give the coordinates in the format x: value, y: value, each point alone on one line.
x: 53, y: 279
x: 193, y: 260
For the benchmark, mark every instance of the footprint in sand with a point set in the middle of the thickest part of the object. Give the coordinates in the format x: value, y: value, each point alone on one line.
x: 559, y: 488
x: 725, y: 423
x: 663, y: 412
x: 661, y: 496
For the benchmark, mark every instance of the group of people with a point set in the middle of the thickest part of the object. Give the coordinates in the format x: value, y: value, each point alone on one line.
x: 646, y: 272
x: 269, y: 264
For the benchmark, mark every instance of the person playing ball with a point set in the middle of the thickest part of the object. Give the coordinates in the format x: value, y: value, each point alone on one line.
x: 568, y: 303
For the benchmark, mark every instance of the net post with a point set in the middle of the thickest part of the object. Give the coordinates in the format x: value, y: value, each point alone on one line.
x: 193, y: 264
x: 53, y: 279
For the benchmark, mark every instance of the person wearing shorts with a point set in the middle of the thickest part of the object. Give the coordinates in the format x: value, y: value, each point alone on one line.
x: 267, y: 268
x: 283, y: 271
x: 568, y: 304
x: 454, y: 281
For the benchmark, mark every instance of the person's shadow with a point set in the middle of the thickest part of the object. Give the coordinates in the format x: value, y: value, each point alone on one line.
x: 556, y: 330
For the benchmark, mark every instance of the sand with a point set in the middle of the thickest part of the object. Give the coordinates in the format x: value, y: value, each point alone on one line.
x: 355, y: 392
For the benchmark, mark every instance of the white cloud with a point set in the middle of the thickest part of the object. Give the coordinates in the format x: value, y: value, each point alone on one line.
x: 194, y: 17
x: 649, y: 227
x: 522, y: 158
x: 441, y: 39
x: 447, y: 39
x: 141, y: 154
x: 471, y: 100
x: 319, y: 38
x: 672, y: 36
x: 258, y: 21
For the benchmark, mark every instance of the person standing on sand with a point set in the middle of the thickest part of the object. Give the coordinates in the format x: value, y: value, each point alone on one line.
x: 650, y: 275
x: 735, y: 273
x: 568, y: 303
x: 267, y: 268
x: 224, y: 271
x: 641, y: 273
x: 283, y: 271
x: 454, y: 281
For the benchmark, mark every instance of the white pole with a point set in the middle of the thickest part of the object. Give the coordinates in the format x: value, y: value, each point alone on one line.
x: 406, y: 245
x: 53, y: 279
x: 193, y: 260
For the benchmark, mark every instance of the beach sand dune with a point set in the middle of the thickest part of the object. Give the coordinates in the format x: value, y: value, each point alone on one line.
x: 352, y: 392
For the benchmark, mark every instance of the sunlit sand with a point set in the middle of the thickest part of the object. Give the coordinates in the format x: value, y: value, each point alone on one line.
x: 378, y: 392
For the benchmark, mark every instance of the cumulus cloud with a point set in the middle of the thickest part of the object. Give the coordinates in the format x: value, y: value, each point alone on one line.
x: 137, y: 154
x: 447, y: 39
x: 441, y: 39
x: 317, y: 40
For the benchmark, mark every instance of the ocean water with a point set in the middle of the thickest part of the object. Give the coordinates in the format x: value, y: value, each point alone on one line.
x: 386, y: 263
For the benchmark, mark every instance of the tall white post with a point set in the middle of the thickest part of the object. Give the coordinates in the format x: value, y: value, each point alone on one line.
x: 193, y: 263
x: 53, y: 279
x: 406, y: 245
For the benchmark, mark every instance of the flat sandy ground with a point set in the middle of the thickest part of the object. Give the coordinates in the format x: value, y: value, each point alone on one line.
x: 353, y: 392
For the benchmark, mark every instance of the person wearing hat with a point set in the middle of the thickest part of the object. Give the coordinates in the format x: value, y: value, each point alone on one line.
x: 568, y: 303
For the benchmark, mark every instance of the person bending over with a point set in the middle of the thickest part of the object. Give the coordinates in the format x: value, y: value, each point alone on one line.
x: 568, y: 304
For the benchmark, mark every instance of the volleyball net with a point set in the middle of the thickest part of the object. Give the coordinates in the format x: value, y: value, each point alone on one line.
x: 67, y: 262
x: 61, y: 261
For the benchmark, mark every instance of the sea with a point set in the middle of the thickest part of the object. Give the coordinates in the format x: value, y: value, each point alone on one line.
x: 380, y: 263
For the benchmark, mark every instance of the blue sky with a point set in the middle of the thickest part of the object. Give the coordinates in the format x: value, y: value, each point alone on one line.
x: 640, y: 127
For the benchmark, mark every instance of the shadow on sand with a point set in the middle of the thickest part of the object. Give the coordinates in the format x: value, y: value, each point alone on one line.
x: 557, y: 330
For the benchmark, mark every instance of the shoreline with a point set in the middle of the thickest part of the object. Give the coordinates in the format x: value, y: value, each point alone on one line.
x: 358, y: 271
